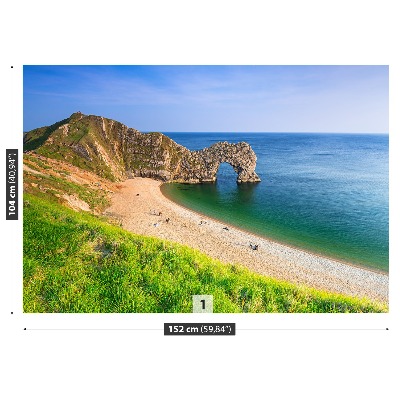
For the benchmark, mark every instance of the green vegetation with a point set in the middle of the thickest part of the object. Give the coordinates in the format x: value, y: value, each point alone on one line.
x: 53, y: 188
x: 36, y: 138
x: 77, y: 262
x: 35, y: 163
x: 77, y: 143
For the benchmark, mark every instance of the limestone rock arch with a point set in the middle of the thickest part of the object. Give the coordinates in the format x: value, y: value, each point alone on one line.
x: 202, y: 166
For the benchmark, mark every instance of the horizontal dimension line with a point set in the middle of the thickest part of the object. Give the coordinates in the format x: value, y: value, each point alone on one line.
x: 92, y: 329
x: 238, y: 329
x: 312, y: 329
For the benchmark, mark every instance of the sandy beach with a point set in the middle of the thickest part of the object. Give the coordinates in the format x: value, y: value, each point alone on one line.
x: 141, y: 208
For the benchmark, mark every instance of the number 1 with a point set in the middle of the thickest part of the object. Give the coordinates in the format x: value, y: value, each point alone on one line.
x: 204, y: 304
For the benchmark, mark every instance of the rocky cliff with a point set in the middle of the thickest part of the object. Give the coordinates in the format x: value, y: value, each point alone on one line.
x: 114, y: 151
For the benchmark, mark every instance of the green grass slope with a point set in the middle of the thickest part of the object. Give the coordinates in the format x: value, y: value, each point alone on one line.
x: 77, y: 262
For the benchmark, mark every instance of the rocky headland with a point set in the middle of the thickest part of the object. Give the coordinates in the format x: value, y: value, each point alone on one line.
x: 116, y: 152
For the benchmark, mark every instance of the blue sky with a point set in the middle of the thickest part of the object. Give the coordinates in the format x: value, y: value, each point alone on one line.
x: 349, y: 99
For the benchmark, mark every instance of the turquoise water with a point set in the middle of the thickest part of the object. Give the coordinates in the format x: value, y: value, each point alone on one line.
x: 327, y: 193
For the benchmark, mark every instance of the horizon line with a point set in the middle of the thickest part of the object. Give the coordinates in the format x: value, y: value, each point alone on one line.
x: 275, y: 132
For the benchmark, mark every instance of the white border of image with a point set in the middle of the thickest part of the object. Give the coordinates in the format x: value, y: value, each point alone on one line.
x: 218, y: 32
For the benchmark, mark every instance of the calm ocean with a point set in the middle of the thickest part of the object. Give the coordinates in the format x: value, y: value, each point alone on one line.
x: 327, y: 193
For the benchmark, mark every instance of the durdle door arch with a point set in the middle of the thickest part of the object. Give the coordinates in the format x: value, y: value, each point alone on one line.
x: 203, y: 165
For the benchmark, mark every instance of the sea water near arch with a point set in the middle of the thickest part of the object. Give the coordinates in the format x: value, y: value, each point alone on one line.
x: 325, y: 193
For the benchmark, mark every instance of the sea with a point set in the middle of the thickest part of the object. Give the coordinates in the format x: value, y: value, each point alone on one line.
x: 324, y: 193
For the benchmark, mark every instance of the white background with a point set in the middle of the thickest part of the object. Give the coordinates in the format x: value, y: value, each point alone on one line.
x: 127, y: 356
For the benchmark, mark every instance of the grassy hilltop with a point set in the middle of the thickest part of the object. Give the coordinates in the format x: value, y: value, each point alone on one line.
x: 77, y: 260
x: 106, y: 147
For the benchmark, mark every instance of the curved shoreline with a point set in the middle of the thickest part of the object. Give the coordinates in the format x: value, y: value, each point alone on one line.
x: 246, y: 231
x: 139, y: 200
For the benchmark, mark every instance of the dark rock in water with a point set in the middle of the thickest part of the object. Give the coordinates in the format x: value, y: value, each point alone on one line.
x: 114, y: 151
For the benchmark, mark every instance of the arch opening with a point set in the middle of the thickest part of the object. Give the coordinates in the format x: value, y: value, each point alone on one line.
x: 226, y: 172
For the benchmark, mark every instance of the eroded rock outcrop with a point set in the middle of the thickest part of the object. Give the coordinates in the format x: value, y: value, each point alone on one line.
x: 202, y: 166
x: 114, y: 151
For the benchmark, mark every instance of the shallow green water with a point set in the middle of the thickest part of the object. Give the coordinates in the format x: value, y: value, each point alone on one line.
x: 324, y: 193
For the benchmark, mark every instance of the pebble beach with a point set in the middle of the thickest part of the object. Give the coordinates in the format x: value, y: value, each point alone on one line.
x: 141, y: 208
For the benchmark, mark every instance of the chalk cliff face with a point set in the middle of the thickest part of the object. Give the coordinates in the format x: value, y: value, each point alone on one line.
x: 114, y: 151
